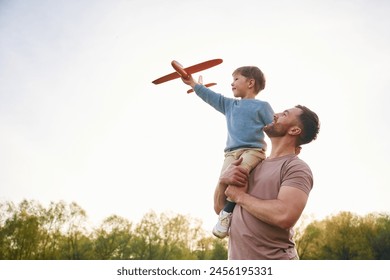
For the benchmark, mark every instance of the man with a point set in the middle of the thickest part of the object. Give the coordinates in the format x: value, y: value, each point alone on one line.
x: 271, y: 199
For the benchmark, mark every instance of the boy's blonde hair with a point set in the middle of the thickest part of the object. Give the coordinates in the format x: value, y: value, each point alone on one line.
x: 252, y: 72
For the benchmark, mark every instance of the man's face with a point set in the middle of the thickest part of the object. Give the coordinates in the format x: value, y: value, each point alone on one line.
x: 283, y: 122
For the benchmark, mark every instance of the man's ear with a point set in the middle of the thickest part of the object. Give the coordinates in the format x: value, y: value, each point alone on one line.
x: 295, y: 130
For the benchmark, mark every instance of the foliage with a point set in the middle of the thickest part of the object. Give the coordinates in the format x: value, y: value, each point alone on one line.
x: 60, y: 232
x: 29, y: 231
x: 346, y: 236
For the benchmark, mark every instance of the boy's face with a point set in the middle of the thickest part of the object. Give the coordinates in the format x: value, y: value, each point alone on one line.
x: 240, y: 85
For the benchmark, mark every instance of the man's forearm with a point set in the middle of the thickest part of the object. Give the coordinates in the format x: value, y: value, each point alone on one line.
x: 283, y: 212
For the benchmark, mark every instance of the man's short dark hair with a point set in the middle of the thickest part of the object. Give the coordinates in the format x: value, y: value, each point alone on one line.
x: 310, y: 125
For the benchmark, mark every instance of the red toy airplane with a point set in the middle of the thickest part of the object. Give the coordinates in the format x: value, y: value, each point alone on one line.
x: 185, y: 72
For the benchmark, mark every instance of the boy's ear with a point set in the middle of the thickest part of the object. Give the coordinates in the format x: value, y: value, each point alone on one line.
x: 251, y: 83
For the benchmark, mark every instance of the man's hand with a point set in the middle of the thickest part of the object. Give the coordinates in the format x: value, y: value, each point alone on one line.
x: 235, y: 174
x: 234, y: 193
x: 237, y: 180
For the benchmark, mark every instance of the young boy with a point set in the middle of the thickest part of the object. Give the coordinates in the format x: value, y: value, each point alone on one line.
x: 246, y: 117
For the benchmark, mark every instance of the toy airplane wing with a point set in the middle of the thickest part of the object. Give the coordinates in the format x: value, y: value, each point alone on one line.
x: 206, y: 85
x: 184, y: 72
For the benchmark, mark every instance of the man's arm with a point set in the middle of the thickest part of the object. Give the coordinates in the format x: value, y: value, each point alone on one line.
x: 283, y: 212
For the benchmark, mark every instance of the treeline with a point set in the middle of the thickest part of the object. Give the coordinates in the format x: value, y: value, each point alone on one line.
x: 29, y: 231
x: 346, y: 236
x: 61, y: 231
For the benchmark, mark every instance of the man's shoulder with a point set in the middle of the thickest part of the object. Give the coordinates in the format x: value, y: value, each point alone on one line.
x: 286, y: 159
x: 297, y: 173
x: 289, y: 162
x: 296, y: 162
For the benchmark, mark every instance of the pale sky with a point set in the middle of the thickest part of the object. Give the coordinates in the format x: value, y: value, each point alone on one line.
x: 81, y: 121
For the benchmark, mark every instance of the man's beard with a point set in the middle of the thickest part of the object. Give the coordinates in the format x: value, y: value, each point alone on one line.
x: 275, y: 130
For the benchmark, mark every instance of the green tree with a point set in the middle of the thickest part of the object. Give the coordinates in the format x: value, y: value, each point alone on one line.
x: 52, y: 221
x: 379, y: 237
x: 179, y: 234
x: 21, y: 231
x: 346, y: 236
x: 77, y: 244
x: 113, y: 239
x: 211, y: 248
x: 309, y: 240
x: 165, y: 237
x: 147, y: 241
x: 219, y: 249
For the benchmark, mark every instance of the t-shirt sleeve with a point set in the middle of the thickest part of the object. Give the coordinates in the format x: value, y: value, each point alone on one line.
x: 297, y: 174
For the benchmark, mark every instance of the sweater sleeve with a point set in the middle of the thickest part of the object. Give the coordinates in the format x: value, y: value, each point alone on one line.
x: 267, y: 113
x: 215, y: 100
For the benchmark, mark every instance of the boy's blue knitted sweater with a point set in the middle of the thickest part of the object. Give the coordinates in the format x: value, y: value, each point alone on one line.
x: 245, y: 118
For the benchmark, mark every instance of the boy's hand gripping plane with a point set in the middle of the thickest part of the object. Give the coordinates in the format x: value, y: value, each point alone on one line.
x: 185, y: 72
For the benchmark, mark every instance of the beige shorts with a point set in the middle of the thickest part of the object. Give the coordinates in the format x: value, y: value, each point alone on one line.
x: 251, y: 157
